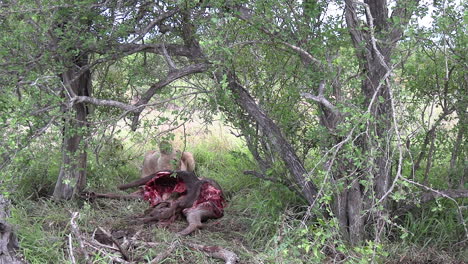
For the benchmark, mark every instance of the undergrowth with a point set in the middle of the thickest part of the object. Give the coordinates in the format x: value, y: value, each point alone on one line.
x: 264, y: 222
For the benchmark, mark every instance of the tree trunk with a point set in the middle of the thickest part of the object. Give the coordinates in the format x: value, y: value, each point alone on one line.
x: 275, y: 137
x: 72, y: 176
x: 459, y: 147
x: 8, y: 240
x: 374, y: 59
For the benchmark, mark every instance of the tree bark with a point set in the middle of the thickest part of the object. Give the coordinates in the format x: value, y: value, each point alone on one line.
x: 374, y: 59
x: 276, y: 138
x: 8, y: 240
x: 72, y: 176
x: 458, y: 147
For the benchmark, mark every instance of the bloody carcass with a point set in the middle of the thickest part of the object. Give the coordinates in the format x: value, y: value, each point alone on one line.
x: 179, y: 193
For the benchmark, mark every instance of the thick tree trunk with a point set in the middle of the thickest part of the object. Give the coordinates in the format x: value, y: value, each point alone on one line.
x: 72, y: 177
x: 374, y: 59
x: 275, y: 137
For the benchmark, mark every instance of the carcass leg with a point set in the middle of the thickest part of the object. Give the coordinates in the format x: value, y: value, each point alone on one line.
x: 195, y: 216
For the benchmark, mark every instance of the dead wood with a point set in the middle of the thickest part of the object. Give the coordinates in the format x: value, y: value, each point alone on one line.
x: 161, y: 256
x: 122, y: 250
x: 76, y: 232
x: 215, y: 252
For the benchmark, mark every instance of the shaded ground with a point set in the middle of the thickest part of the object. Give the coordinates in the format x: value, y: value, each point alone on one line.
x: 145, y: 243
x: 142, y: 243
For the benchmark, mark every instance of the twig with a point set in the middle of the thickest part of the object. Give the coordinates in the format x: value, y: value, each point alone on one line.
x: 127, y: 243
x: 160, y: 257
x: 105, y: 253
x: 122, y: 250
x: 77, y: 234
x: 153, y: 23
x: 168, y: 59
x: 216, y: 252
x: 88, y: 195
x: 96, y: 243
x: 70, y: 249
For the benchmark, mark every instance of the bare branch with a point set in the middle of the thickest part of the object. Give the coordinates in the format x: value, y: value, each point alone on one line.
x: 322, y: 100
x: 216, y: 252
x: 153, y: 23
x: 432, y: 195
x: 105, y: 102
x: 304, y: 54
x: 76, y: 232
x: 159, y: 258
x: 70, y: 249
x: 168, y: 59
x: 172, y: 76
x: 123, y: 106
x: 370, y: 21
x: 274, y: 136
x: 122, y: 250
x: 246, y: 14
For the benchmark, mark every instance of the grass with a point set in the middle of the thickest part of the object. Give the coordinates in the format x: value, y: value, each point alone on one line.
x: 249, y: 219
x: 263, y: 222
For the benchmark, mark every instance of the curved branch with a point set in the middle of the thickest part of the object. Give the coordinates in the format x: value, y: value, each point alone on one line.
x: 126, y: 107
x: 156, y: 48
x: 321, y: 99
x: 155, y: 22
x: 172, y: 76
